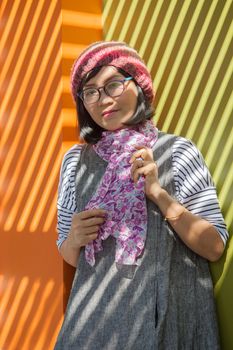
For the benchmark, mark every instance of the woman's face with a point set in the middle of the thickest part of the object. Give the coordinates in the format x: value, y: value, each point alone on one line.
x: 111, y: 112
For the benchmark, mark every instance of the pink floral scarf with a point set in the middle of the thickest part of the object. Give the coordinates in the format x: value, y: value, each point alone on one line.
x: 124, y: 201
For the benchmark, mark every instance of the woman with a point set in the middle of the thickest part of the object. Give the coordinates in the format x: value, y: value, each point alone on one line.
x: 137, y: 215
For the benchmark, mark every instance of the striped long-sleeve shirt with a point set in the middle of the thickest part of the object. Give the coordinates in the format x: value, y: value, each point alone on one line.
x: 195, y: 189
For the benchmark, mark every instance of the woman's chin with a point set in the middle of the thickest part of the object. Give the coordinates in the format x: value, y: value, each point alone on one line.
x: 109, y: 127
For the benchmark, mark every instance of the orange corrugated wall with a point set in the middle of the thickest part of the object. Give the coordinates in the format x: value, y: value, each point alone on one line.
x: 81, y: 25
x: 39, y: 41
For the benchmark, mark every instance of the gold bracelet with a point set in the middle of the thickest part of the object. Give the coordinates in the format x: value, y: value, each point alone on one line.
x: 174, y: 217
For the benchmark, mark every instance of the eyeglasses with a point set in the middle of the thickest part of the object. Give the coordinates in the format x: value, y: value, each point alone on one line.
x: 113, y: 88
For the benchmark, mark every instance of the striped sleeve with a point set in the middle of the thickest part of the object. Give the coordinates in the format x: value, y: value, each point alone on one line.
x: 66, y: 199
x: 194, y: 186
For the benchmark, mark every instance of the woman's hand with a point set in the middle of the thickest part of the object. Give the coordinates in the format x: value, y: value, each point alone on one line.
x: 143, y: 164
x: 84, y: 229
x: 85, y: 226
x: 198, y: 234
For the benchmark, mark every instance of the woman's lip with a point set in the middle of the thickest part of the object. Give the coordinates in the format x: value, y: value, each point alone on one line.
x: 109, y: 113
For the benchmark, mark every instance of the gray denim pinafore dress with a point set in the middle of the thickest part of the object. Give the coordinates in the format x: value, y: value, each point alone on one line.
x: 166, y: 303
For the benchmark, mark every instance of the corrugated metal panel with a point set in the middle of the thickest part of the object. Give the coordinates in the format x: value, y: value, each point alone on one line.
x: 81, y: 25
x: 39, y: 41
x: 187, y: 45
x: 31, y: 125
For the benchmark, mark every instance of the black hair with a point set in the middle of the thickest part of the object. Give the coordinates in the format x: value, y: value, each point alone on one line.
x: 90, y: 131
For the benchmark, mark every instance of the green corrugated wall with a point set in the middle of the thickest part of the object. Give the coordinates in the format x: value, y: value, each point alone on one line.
x: 187, y: 45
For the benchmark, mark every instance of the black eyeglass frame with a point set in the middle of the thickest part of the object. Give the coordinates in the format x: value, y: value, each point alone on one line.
x: 80, y: 94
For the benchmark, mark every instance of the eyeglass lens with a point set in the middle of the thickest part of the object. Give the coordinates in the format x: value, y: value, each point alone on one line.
x: 112, y: 88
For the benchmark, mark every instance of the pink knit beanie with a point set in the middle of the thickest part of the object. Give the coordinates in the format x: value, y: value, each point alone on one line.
x: 112, y: 53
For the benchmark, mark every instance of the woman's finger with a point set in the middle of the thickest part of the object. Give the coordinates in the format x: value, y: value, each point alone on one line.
x: 86, y: 214
x: 90, y: 230
x: 138, y: 154
x: 89, y: 238
x: 93, y: 221
x: 138, y: 163
x: 144, y: 170
x: 140, y: 146
x: 144, y: 152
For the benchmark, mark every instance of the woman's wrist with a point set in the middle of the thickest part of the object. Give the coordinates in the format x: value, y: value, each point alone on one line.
x: 156, y: 194
x: 69, y: 252
x: 175, y: 217
x: 169, y: 207
x: 71, y: 242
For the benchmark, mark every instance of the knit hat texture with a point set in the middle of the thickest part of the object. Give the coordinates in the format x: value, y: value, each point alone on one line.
x: 112, y: 53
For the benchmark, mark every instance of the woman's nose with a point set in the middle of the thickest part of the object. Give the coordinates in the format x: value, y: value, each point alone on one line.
x: 104, y: 98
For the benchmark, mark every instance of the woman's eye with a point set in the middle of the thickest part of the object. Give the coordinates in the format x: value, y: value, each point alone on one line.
x: 113, y: 84
x: 90, y: 92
